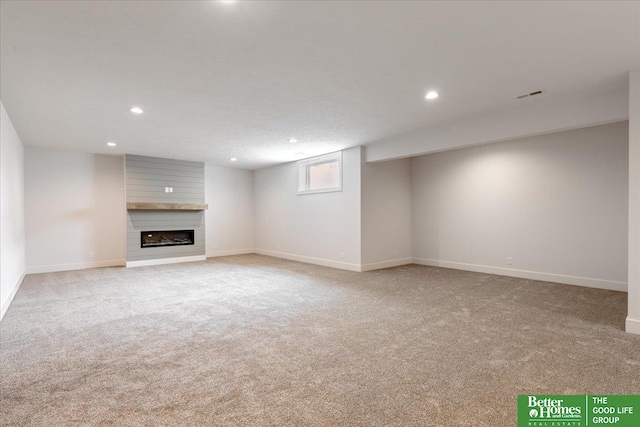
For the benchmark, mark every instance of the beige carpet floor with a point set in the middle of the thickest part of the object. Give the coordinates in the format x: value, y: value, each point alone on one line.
x: 258, y: 341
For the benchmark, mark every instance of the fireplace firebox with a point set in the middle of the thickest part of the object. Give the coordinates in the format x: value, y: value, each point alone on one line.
x: 154, y: 239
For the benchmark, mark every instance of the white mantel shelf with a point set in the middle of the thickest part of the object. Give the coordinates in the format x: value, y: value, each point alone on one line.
x: 141, y: 206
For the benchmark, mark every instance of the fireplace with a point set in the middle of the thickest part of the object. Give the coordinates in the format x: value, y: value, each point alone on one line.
x: 154, y: 239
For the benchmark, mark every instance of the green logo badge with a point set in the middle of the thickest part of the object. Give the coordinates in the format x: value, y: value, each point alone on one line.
x: 578, y: 410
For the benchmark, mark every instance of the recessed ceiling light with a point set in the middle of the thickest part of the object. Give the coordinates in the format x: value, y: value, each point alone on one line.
x: 111, y: 144
x: 233, y: 159
x: 293, y: 140
x: 227, y: 1
x: 432, y: 95
x: 136, y: 110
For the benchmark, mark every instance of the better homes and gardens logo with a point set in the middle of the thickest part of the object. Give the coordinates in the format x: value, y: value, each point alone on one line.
x: 555, y: 410
x: 578, y: 410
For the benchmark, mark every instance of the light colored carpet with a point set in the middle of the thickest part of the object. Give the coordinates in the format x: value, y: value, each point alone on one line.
x: 258, y: 341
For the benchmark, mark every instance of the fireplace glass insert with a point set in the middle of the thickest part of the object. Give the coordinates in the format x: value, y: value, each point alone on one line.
x: 154, y: 239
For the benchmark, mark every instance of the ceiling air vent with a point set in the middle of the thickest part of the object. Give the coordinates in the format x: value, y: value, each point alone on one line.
x: 526, y: 95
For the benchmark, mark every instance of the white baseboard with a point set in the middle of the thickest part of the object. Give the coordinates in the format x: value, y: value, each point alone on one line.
x: 230, y: 252
x: 386, y: 264
x: 336, y: 264
x: 524, y: 274
x: 633, y: 326
x: 12, y: 294
x: 311, y: 260
x: 161, y: 261
x: 75, y: 266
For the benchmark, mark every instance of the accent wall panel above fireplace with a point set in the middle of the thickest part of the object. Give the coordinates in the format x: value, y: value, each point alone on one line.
x: 156, y: 180
x: 148, y: 179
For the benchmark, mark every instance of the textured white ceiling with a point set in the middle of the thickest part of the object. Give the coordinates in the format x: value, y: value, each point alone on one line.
x: 238, y: 80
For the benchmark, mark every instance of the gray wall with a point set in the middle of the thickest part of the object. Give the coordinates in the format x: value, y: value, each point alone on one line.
x: 556, y: 204
x: 146, y: 179
x: 75, y: 198
x: 229, y: 219
x: 12, y: 227
x: 321, y: 228
x: 386, y: 213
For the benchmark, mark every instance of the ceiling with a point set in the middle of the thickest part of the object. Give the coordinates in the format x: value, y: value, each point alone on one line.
x: 219, y: 80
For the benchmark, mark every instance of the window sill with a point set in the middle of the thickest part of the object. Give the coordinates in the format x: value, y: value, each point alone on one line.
x: 324, y: 190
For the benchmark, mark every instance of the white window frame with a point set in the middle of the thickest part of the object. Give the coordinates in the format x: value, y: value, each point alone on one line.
x: 304, y: 165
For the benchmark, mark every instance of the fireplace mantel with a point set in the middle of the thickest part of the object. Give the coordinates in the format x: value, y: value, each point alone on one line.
x: 142, y: 206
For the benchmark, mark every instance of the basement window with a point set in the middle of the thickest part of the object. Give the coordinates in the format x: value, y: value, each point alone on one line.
x: 322, y: 174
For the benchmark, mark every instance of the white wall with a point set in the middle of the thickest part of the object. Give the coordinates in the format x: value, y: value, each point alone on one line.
x: 556, y: 203
x: 633, y: 317
x: 74, y: 206
x: 319, y: 228
x: 229, y: 219
x: 386, y: 214
x: 12, y: 230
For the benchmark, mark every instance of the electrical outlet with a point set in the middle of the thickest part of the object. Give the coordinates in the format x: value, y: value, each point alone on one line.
x: 91, y: 254
x: 509, y: 260
x: 341, y: 255
x: 215, y: 246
